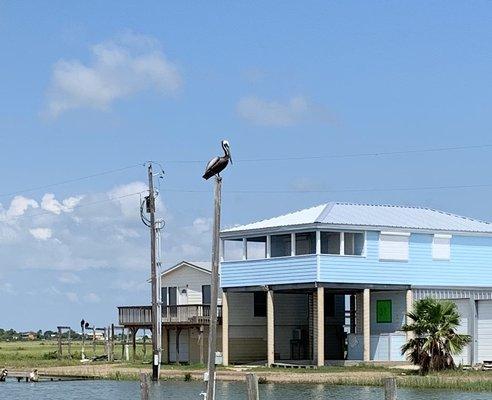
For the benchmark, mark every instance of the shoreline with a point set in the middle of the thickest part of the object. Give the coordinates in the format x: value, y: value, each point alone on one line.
x: 462, y: 380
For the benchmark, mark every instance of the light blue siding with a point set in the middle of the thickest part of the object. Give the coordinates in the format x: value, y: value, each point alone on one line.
x: 470, y: 266
x: 274, y: 271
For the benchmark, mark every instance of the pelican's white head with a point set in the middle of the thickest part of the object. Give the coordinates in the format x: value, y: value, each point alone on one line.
x: 227, y: 149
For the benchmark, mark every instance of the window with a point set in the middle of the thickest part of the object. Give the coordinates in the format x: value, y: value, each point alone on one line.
x: 281, y: 245
x: 305, y: 243
x: 353, y: 244
x: 256, y: 247
x: 173, y: 296
x: 164, y: 296
x: 206, y: 297
x: 384, y: 311
x: 330, y: 242
x: 441, y: 247
x: 173, y: 301
x: 260, y: 304
x: 232, y: 249
x: 393, y: 246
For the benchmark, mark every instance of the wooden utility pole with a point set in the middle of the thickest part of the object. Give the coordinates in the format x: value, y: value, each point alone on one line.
x: 252, y: 392
x: 212, y: 333
x: 156, y: 357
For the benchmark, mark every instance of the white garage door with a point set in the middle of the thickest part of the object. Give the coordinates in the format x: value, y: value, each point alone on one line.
x: 484, y: 330
x: 464, y: 310
x: 184, y: 341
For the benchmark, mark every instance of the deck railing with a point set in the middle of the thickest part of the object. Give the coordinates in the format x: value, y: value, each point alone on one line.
x: 181, y: 314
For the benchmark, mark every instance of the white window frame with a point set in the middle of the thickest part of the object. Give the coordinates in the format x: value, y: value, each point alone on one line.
x: 406, y: 252
x: 436, y: 256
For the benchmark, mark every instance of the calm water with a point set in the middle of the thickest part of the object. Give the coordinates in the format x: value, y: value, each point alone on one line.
x: 112, y: 390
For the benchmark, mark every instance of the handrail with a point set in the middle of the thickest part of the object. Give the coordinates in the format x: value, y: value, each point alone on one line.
x: 189, y: 313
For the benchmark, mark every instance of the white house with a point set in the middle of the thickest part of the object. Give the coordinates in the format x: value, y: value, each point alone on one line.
x: 185, y: 299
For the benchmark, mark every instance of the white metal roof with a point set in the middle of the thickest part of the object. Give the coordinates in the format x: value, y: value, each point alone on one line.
x: 368, y: 215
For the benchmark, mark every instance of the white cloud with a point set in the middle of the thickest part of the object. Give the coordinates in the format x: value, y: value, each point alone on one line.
x: 202, y: 225
x: 283, y: 114
x: 41, y: 233
x: 19, y: 206
x: 68, y: 277
x: 72, y: 297
x: 104, y: 230
x: 49, y: 203
x: 7, y: 288
x: 92, y: 298
x: 272, y: 113
x: 119, y: 69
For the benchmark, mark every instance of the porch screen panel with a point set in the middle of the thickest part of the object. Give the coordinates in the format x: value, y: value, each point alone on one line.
x: 305, y: 243
x: 330, y: 242
x: 393, y: 246
x: 281, y: 245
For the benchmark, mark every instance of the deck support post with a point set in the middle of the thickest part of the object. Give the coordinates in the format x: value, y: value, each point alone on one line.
x: 134, y: 342
x: 319, y: 326
x: 201, y: 339
x: 270, y: 329
x: 366, y: 305
x: 178, y: 332
x: 225, y: 328
x: 409, y: 305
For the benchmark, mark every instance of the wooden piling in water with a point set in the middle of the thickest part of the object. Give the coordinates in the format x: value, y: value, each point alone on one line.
x: 144, y: 386
x: 252, y: 387
x: 390, y: 389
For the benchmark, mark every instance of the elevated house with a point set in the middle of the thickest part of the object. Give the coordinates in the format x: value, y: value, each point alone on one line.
x: 185, y: 299
x: 334, y: 282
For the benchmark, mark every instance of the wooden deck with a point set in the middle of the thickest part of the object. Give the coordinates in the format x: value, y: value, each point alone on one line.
x: 192, y: 314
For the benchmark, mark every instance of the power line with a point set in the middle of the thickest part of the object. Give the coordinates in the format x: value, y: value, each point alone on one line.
x: 50, y: 185
x: 291, y: 191
x: 347, y: 155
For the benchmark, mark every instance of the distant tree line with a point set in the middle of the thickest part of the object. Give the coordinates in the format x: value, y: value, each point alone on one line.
x: 12, y: 335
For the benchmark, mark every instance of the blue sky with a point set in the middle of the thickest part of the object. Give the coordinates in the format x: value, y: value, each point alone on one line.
x: 89, y: 87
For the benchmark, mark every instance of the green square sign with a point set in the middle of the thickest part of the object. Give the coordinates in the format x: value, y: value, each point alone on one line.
x: 384, y: 312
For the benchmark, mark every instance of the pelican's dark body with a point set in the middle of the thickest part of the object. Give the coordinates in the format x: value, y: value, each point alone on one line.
x: 217, y: 164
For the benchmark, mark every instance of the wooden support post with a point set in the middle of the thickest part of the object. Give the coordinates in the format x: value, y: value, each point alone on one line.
x: 123, y: 342
x: 252, y: 387
x: 94, y: 340
x: 144, y: 386
x: 112, y: 343
x: 59, y: 343
x: 201, y: 344
x: 178, y: 332
x: 69, y: 344
x: 144, y: 344
x: 225, y: 328
x: 320, y: 327
x: 390, y: 389
x: 367, y: 324
x: 270, y: 329
x: 409, y: 301
x: 134, y: 342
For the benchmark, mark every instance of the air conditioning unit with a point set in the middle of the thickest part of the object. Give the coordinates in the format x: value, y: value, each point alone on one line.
x: 296, y: 334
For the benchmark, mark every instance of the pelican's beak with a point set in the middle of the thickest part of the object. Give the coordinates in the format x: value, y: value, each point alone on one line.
x: 230, y: 159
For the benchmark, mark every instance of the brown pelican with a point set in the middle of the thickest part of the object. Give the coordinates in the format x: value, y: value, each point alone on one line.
x: 217, y: 164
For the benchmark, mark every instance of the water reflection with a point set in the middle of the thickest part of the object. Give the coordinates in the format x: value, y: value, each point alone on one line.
x: 173, y: 390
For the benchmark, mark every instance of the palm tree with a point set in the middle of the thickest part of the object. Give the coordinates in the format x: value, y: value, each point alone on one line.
x: 435, y: 339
